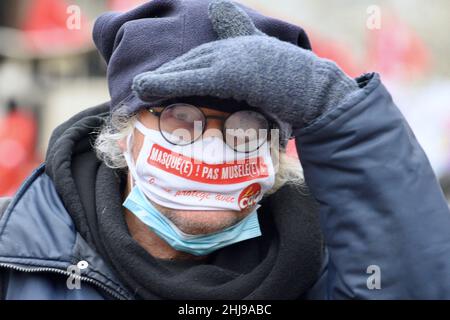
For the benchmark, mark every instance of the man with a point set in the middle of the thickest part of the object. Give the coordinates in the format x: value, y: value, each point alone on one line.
x: 159, y: 218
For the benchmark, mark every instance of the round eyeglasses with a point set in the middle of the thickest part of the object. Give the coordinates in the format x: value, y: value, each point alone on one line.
x: 182, y: 124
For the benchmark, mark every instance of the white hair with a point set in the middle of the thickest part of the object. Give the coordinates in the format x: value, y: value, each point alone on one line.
x: 119, y: 126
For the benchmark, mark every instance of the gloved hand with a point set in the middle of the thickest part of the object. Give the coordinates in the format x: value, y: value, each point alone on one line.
x: 246, y: 64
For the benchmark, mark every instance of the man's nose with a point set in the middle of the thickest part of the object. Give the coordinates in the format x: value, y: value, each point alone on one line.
x: 213, y: 128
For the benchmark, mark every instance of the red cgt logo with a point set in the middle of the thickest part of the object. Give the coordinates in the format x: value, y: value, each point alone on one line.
x: 249, y: 196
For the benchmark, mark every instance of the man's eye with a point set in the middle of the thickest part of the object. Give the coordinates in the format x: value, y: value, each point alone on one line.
x: 183, y: 116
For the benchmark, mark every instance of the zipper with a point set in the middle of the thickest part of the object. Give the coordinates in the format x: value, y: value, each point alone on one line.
x: 65, y: 273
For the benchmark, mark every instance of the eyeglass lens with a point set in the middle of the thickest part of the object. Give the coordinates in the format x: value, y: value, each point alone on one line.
x: 182, y: 124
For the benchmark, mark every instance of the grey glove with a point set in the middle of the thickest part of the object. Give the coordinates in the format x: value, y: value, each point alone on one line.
x: 245, y: 64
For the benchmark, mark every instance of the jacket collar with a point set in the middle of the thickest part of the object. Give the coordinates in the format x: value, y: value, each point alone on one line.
x: 38, y: 234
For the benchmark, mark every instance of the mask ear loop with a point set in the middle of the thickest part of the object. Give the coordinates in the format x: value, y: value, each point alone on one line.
x: 142, y: 128
x: 129, y: 153
x: 129, y: 158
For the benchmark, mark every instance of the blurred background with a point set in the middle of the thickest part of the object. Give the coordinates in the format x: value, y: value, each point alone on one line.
x: 50, y: 70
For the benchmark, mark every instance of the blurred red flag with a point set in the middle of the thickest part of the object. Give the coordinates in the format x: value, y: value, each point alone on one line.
x: 54, y: 24
x: 18, y: 132
x: 337, y: 52
x: 396, y: 50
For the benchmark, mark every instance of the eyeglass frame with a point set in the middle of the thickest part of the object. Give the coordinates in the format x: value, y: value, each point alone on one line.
x: 270, y: 124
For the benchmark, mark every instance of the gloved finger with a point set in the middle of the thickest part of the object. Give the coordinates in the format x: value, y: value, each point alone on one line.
x: 197, y: 62
x: 175, y: 84
x: 230, y: 21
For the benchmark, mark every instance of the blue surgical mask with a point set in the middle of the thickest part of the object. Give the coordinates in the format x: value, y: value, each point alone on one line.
x: 198, y: 245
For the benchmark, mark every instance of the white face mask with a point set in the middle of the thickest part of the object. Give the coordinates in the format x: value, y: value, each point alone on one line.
x: 204, y: 175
